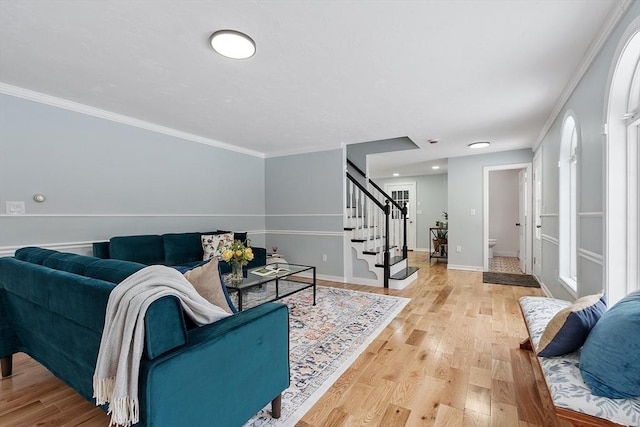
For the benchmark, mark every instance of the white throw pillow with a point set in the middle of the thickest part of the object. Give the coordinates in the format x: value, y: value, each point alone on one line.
x: 213, y: 244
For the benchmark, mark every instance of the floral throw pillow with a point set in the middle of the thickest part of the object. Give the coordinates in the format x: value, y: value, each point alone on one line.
x: 213, y: 244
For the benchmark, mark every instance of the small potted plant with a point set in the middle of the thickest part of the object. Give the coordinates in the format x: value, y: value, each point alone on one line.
x: 444, y: 224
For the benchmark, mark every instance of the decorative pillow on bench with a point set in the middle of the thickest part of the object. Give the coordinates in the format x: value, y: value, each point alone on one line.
x: 568, y: 329
x: 610, y: 358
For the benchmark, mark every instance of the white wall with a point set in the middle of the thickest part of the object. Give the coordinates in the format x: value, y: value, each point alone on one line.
x: 503, y: 212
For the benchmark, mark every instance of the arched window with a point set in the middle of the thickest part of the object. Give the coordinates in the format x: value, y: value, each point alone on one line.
x: 622, y: 200
x: 569, y: 203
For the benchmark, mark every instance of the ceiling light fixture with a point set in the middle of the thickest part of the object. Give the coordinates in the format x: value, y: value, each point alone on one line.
x: 396, y: 174
x: 435, y: 167
x: 233, y: 44
x: 482, y: 144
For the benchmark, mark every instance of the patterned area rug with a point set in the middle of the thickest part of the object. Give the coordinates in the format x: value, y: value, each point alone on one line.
x: 324, y: 341
x: 510, y: 279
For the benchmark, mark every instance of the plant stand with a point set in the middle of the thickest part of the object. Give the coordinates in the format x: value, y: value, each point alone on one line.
x: 439, y: 239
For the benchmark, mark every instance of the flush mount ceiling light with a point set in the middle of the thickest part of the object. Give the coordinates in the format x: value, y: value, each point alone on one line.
x: 481, y: 144
x: 396, y: 174
x: 435, y: 167
x: 233, y: 44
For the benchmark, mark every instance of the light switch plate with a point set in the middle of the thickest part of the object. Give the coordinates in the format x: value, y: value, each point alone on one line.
x: 15, y: 208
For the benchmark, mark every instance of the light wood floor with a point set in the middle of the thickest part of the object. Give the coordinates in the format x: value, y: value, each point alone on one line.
x: 450, y: 358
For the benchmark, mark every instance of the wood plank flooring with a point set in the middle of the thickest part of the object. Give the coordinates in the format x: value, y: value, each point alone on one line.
x: 450, y: 358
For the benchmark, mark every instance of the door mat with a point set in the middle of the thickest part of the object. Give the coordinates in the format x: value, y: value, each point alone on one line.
x: 510, y: 279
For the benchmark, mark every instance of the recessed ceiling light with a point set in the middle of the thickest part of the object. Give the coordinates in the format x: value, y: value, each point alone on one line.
x: 482, y: 144
x: 435, y: 167
x: 233, y: 44
x: 396, y: 174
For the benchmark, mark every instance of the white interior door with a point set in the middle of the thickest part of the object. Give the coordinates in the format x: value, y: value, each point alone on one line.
x: 404, y: 193
x: 537, y: 214
x: 522, y: 219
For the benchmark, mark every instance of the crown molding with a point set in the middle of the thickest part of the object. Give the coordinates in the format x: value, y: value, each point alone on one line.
x: 129, y: 215
x: 295, y: 152
x: 306, y: 233
x: 42, y: 98
x: 614, y: 17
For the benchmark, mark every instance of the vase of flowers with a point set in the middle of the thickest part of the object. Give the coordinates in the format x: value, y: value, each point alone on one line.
x: 238, y: 255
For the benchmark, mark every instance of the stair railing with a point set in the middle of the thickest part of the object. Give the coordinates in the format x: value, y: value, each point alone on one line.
x: 370, y: 221
x: 398, y: 231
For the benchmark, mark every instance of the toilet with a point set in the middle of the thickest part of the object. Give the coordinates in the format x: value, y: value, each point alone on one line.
x: 492, y: 243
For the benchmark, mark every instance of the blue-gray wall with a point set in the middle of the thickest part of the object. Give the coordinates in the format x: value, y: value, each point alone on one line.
x: 304, y: 209
x: 431, y: 200
x: 587, y: 102
x: 466, y: 177
x: 102, y: 178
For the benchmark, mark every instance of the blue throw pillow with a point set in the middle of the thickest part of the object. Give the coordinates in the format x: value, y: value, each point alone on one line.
x: 610, y: 358
x: 569, y: 328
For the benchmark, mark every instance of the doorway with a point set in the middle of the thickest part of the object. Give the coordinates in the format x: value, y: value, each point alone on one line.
x: 510, y: 222
x: 403, y: 193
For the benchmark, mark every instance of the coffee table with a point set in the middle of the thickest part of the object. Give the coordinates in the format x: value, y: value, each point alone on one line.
x: 256, y: 289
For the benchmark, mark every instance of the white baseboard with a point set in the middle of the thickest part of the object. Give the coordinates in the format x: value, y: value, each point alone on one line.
x: 422, y: 250
x: 465, y: 267
x: 363, y: 281
x: 544, y: 288
x: 82, y: 248
x: 326, y: 277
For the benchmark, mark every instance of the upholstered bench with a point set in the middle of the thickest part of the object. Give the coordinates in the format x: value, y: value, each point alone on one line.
x: 572, y: 398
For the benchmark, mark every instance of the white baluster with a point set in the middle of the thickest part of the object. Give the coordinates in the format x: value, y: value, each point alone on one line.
x: 398, y: 233
x: 362, y: 213
x: 350, y: 205
x: 375, y: 225
x: 369, y: 213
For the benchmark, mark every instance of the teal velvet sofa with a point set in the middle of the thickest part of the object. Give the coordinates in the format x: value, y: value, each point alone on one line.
x: 52, y: 307
x: 171, y: 249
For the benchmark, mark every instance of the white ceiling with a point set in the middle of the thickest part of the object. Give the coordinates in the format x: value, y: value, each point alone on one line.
x: 326, y: 73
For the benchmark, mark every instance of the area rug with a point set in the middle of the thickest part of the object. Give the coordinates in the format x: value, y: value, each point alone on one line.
x: 510, y: 279
x: 324, y: 341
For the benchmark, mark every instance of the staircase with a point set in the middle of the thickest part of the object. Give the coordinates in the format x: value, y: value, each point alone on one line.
x: 377, y: 232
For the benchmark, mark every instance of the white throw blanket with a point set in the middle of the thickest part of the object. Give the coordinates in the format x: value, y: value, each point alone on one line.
x: 115, y: 380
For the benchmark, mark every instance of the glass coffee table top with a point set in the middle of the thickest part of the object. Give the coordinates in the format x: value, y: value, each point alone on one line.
x: 270, y: 283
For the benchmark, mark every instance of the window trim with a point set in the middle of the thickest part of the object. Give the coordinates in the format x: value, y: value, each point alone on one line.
x: 568, y: 229
x: 622, y: 198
